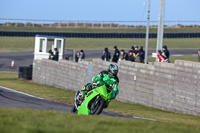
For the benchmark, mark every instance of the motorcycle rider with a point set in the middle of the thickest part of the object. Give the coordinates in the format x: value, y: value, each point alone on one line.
x: 110, y: 78
x: 107, y: 77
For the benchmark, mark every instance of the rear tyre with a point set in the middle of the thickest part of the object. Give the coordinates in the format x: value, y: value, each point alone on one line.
x: 97, y: 106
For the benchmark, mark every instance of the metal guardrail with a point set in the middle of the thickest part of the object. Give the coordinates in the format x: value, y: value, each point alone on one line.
x: 97, y: 35
x: 92, y: 24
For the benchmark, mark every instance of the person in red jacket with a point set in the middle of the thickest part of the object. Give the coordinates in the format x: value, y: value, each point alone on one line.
x: 162, y: 57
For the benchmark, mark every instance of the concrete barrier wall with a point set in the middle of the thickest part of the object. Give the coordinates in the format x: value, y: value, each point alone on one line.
x: 63, y: 74
x: 174, y: 87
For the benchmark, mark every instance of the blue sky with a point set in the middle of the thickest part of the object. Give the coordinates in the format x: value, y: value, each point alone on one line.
x: 105, y: 10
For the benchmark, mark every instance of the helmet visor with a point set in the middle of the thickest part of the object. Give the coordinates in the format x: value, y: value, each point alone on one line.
x: 114, y: 72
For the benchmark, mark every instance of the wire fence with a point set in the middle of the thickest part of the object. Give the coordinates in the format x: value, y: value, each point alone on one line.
x: 93, y: 24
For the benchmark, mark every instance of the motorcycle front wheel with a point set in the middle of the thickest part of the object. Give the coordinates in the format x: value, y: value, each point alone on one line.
x: 74, y: 110
x: 97, y: 106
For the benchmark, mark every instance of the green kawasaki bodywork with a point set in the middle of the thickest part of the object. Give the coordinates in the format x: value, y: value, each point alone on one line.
x: 99, y: 91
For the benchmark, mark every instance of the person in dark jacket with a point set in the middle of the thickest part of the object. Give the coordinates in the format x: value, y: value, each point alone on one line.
x: 133, y: 48
x: 130, y: 56
x: 77, y: 56
x: 136, y: 54
x: 161, y: 57
x: 106, y: 55
x: 56, y: 56
x: 124, y: 55
x: 165, y: 51
x: 142, y: 54
x: 136, y: 47
x: 116, y: 55
x: 80, y: 56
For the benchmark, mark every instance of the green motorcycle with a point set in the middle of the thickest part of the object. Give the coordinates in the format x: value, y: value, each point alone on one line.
x: 94, y: 101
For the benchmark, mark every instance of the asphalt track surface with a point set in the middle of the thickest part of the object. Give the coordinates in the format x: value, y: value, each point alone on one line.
x: 26, y: 58
x: 16, y: 99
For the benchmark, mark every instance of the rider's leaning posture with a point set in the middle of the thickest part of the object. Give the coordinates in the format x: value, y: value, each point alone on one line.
x: 107, y: 77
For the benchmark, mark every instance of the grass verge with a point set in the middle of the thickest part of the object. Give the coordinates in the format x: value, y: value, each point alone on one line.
x: 178, y: 122
x: 32, y: 121
x: 27, y: 43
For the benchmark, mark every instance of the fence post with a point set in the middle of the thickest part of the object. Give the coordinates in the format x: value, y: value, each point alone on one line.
x: 101, y: 24
x: 7, y: 23
x: 24, y: 23
x: 50, y: 23
x: 126, y: 24
x: 67, y: 24
x: 33, y: 23
x: 16, y: 23
x: 169, y: 24
x: 76, y: 26
x: 59, y: 25
x: 151, y: 24
x: 85, y: 24
x: 134, y: 24
x: 193, y: 24
x: 42, y: 24
x: 92, y: 24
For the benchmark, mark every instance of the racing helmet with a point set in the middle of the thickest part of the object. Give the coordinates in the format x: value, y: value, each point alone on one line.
x: 113, y: 70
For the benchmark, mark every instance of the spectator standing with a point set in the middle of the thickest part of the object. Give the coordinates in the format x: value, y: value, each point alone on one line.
x: 115, y: 55
x: 136, y: 47
x: 77, y: 56
x: 142, y: 54
x: 130, y: 56
x: 133, y: 48
x: 161, y: 57
x: 80, y: 56
x: 199, y: 55
x: 166, y: 51
x: 136, y: 54
x: 106, y: 55
x: 124, y: 55
x: 56, y: 57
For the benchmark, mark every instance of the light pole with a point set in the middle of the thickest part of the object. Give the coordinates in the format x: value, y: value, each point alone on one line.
x: 147, y: 33
x: 160, y: 25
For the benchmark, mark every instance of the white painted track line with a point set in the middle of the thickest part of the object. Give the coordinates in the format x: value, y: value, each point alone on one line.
x: 20, y: 92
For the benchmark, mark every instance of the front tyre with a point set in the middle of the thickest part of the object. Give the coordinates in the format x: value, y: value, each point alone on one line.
x: 97, y: 106
x: 74, y: 110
